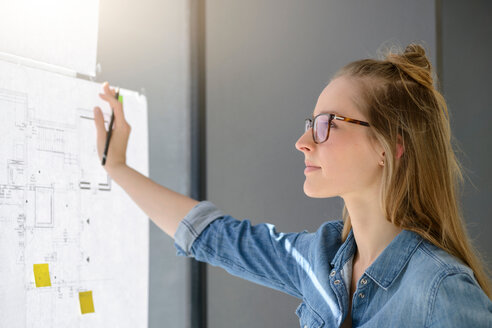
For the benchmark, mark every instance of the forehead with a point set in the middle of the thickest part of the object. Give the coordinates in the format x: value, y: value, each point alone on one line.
x: 337, y: 98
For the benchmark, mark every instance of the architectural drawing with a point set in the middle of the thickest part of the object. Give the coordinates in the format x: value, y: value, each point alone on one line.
x: 59, y: 206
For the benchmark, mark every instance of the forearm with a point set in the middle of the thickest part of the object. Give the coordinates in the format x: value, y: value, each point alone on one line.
x: 164, y: 206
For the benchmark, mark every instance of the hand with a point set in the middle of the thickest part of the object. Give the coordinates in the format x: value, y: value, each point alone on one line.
x: 121, y: 131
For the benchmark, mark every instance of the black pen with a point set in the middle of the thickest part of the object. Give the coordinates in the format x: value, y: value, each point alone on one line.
x: 110, y: 130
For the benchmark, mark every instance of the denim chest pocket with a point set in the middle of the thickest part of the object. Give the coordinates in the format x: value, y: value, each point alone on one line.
x: 308, y: 318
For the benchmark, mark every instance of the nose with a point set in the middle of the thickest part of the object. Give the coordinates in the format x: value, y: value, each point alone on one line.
x: 305, y: 142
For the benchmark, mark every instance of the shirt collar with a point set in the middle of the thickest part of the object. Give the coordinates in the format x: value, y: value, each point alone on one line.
x: 388, y: 265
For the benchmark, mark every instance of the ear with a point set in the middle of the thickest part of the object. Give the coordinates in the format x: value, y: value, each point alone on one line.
x: 400, y: 148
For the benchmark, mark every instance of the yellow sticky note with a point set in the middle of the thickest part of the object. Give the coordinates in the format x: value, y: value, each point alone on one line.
x: 42, y: 275
x: 86, y: 303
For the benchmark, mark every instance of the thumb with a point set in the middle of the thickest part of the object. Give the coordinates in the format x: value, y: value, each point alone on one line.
x: 99, y: 121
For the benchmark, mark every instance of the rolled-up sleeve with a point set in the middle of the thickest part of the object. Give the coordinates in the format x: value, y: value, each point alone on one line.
x: 192, y: 225
x: 460, y: 302
x: 257, y: 253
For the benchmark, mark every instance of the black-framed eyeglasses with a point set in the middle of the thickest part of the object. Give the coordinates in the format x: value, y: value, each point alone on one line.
x: 322, y: 123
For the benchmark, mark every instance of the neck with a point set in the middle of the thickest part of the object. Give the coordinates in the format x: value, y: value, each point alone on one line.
x: 372, y: 232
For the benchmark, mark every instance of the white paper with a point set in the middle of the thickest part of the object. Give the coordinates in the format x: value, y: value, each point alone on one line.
x: 58, y: 206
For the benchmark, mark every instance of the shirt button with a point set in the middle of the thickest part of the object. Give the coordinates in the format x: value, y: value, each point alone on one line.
x: 361, y: 295
x: 336, y: 282
x: 332, y: 273
x: 363, y: 281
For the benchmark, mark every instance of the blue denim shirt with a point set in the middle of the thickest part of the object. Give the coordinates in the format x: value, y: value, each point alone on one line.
x: 412, y: 283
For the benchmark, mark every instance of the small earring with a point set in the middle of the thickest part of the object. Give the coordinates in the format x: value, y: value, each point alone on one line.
x: 382, y: 162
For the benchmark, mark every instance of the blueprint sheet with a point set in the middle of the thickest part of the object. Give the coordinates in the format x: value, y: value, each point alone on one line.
x: 59, y: 207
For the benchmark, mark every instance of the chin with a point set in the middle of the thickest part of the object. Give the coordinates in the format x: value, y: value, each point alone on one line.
x: 316, y: 193
x: 313, y: 193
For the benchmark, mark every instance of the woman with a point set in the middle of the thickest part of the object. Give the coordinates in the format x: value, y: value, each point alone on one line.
x: 380, y: 139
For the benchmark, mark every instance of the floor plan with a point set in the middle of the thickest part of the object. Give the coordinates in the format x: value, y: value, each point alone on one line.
x: 59, y: 208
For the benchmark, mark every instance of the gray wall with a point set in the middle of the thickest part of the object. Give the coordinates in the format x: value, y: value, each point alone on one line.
x: 467, y: 50
x: 145, y: 44
x: 267, y: 62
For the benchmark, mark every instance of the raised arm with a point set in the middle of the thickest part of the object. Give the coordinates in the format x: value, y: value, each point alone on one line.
x: 164, y: 206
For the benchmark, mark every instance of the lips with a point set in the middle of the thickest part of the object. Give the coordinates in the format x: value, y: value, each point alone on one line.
x: 309, y: 164
x: 311, y: 168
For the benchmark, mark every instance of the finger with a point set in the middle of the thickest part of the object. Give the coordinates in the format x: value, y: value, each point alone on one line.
x: 119, y: 117
x: 108, y: 90
x: 99, y: 121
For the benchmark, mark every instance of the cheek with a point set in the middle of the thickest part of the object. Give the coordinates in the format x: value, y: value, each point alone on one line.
x: 348, y: 165
x: 333, y: 157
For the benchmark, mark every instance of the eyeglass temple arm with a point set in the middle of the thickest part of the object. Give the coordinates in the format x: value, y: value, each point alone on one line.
x: 350, y: 120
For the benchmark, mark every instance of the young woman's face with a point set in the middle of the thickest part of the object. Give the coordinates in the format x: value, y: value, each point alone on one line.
x: 348, y: 162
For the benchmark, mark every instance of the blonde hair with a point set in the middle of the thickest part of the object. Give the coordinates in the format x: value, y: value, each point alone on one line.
x: 420, y: 190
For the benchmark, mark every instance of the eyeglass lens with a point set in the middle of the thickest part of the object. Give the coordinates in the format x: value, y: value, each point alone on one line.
x: 320, y: 126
